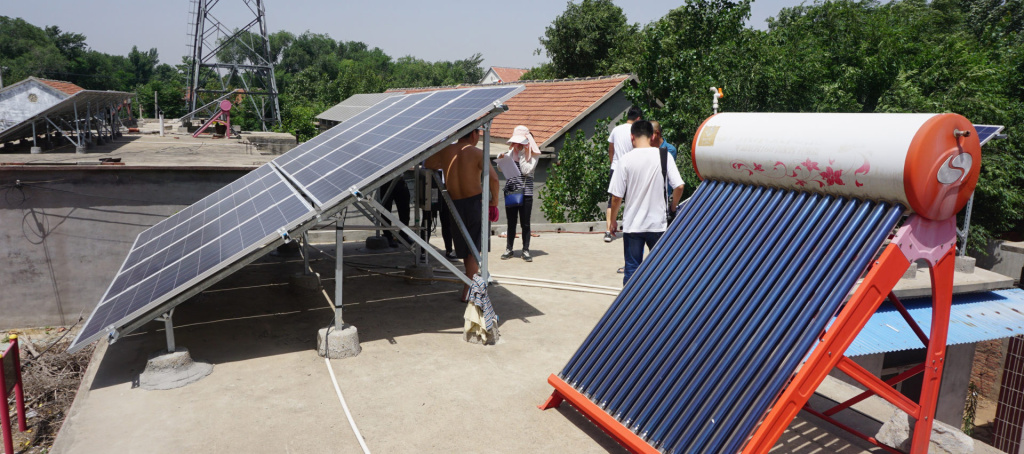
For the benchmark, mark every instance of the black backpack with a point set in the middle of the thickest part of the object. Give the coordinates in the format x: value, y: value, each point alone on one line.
x: 669, y: 214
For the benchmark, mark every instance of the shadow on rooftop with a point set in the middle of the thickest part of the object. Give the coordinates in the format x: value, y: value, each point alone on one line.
x: 254, y: 313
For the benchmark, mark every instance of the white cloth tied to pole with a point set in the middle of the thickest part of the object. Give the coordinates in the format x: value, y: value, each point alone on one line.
x: 481, y: 321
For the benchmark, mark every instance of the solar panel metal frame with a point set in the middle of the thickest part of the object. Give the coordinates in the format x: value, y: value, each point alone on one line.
x: 379, y: 178
x: 200, y: 282
x: 64, y: 107
x: 347, y: 198
x: 294, y: 228
x: 985, y: 135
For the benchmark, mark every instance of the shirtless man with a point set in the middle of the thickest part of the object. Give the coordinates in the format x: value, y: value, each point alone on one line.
x: 462, y: 163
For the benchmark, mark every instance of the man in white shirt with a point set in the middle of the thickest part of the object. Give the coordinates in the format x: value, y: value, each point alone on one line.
x: 619, y: 143
x: 640, y: 174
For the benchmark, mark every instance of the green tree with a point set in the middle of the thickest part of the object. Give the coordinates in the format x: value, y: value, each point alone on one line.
x: 142, y: 64
x: 583, y: 40
x: 70, y: 45
x: 578, y: 182
x: 686, y: 52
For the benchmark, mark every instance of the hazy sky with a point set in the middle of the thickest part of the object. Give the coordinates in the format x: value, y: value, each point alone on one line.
x: 505, y: 33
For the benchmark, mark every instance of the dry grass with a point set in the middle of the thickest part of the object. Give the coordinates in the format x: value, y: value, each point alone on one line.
x: 51, y: 381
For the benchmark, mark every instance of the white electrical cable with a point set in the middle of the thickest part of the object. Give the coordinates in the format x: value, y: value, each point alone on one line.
x: 557, y: 287
x: 351, y: 421
x: 574, y: 284
x: 344, y: 406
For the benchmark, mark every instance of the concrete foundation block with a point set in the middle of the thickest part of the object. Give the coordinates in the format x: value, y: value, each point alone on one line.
x: 80, y: 150
x: 911, y: 272
x: 305, y: 283
x: 172, y: 370
x: 945, y: 439
x: 336, y: 344
x: 422, y: 275
x: 964, y: 264
x: 36, y: 150
x: 377, y: 243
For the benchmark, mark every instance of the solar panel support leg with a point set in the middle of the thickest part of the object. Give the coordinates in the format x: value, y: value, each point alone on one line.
x: 35, y: 146
x: 485, y: 223
x: 169, y: 328
x: 305, y: 253
x: 417, y: 193
x: 426, y: 247
x: 339, y: 272
x: 79, y: 146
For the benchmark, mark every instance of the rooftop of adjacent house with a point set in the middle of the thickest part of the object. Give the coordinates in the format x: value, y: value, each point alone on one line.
x: 549, y: 108
x: 65, y: 87
x: 148, y: 149
x: 508, y: 74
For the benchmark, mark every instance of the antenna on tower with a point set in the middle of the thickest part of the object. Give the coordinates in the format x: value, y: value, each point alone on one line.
x: 248, y: 68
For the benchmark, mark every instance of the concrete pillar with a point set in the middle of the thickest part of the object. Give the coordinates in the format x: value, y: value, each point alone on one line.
x: 35, y: 147
x: 956, y: 375
x: 338, y: 340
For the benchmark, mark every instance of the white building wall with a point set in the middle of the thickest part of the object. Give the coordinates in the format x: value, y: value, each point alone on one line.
x: 20, y: 102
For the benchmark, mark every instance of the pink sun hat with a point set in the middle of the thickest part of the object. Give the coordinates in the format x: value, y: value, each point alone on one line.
x: 520, y: 135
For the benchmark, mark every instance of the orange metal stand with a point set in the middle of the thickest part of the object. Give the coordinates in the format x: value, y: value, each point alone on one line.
x: 933, y: 241
x: 918, y: 239
x: 595, y: 414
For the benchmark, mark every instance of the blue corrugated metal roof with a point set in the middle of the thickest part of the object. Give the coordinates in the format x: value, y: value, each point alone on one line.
x: 975, y: 317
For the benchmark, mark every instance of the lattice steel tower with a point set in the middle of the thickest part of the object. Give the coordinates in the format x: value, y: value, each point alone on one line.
x: 248, y: 70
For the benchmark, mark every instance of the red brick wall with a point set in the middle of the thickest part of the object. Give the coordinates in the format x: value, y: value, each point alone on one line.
x: 988, y: 367
x: 1009, y: 422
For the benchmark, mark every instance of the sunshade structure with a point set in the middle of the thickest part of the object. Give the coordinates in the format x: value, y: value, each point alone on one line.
x: 78, y: 114
x: 702, y: 350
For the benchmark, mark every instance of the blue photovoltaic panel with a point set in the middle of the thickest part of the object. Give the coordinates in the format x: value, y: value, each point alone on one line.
x: 176, y: 253
x: 363, y: 149
x: 187, y: 248
x: 987, y: 132
x: 716, y: 320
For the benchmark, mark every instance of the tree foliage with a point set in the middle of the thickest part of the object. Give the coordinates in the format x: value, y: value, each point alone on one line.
x: 962, y: 56
x: 313, y: 71
x: 588, y: 39
x: 578, y: 182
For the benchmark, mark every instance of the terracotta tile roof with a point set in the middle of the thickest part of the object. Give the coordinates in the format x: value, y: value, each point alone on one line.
x: 547, y: 107
x: 509, y: 74
x: 66, y: 87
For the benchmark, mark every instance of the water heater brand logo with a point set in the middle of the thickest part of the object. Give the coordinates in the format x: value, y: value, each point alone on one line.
x: 954, y: 168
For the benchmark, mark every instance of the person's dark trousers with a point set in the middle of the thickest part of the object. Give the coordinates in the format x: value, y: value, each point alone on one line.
x: 427, y: 223
x: 633, y: 250
x: 522, y: 213
x: 400, y: 197
x: 445, y: 218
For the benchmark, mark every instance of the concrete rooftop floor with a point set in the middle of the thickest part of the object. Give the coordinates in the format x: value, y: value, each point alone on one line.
x: 171, y: 150
x: 416, y: 386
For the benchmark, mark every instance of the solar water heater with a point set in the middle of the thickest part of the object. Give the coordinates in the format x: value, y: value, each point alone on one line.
x: 720, y: 338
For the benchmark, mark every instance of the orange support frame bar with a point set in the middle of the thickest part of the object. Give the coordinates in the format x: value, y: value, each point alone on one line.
x: 597, y: 415
x: 918, y: 239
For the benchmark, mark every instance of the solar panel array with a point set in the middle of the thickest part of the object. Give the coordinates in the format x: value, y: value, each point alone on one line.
x: 192, y: 245
x: 180, y: 250
x: 363, y: 148
x: 716, y: 320
x: 987, y: 132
